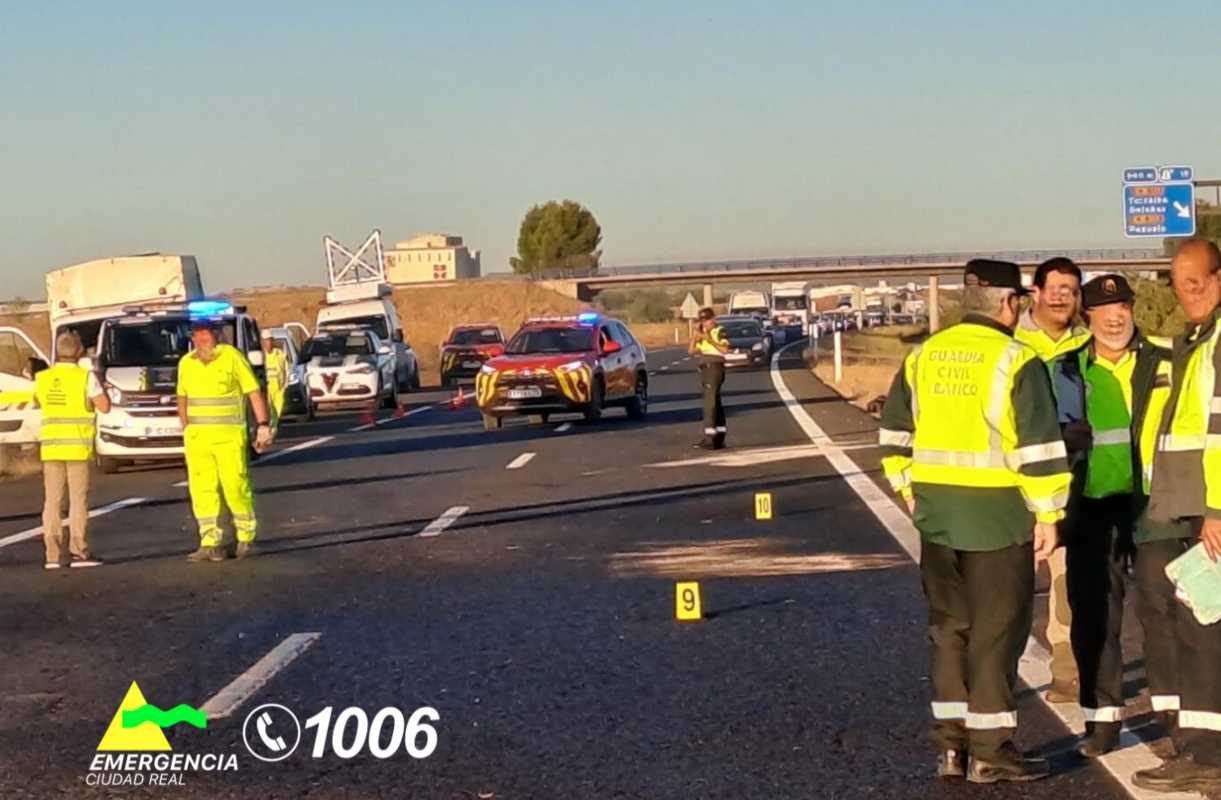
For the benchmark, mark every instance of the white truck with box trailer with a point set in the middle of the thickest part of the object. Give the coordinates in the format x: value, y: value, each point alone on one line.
x: 791, y: 305
x: 81, y: 298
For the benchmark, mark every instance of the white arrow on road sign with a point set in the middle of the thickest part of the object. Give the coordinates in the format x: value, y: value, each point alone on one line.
x: 1184, y: 211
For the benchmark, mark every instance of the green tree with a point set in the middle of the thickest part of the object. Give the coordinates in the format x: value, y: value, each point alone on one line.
x: 557, y: 236
x: 1156, y: 309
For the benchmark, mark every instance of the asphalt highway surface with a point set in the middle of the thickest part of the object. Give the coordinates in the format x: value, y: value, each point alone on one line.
x: 532, y: 607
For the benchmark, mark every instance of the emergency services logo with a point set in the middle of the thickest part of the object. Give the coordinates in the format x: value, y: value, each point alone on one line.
x: 135, y: 752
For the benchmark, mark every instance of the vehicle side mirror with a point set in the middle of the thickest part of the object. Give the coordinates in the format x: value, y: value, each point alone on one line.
x: 384, y: 350
x: 611, y: 347
x: 37, y: 365
x: 397, y: 336
x: 257, y: 358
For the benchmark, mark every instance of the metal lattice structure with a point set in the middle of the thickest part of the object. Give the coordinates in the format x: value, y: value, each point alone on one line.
x: 366, y: 265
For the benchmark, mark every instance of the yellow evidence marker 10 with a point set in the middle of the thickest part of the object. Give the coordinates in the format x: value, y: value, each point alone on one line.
x: 687, y: 601
x: 763, y: 505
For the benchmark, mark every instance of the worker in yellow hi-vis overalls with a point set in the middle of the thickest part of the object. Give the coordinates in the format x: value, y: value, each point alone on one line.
x: 277, y: 377
x: 214, y: 381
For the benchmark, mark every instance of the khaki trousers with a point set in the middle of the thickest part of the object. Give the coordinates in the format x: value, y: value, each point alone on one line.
x: 1060, y: 619
x: 58, y: 476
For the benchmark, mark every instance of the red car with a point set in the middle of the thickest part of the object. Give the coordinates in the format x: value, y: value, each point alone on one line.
x: 466, y: 350
x: 565, y: 364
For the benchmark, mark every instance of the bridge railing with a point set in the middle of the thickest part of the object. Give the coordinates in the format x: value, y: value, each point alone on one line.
x: 764, y: 264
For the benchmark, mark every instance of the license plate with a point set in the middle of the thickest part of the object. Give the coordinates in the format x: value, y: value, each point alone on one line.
x: 525, y: 394
x: 472, y: 364
x: 162, y: 431
x: 735, y: 356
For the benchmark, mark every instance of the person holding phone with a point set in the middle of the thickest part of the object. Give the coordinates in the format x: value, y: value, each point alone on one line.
x: 709, y: 344
x: 214, y: 382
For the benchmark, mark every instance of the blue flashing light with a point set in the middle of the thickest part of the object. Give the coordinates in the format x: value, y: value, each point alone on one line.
x: 209, y: 308
x: 588, y: 318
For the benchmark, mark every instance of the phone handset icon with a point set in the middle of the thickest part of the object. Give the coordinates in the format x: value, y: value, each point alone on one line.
x: 274, y: 743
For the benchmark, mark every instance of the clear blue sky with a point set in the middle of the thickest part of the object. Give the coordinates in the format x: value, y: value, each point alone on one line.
x: 242, y: 132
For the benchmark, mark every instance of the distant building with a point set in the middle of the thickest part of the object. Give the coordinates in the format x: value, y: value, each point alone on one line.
x: 431, y: 257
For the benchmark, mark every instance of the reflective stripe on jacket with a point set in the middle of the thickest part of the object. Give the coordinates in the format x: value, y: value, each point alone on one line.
x: 62, y: 392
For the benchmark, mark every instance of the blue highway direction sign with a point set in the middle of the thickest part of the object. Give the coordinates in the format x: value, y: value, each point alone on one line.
x: 1158, y: 202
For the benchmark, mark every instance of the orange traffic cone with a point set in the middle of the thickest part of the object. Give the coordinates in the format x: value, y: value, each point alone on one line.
x: 458, y: 400
x: 399, y: 411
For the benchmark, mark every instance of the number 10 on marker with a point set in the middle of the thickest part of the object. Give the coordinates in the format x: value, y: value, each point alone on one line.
x: 763, y: 505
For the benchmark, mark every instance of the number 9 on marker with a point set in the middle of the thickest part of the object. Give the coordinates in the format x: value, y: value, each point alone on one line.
x: 687, y: 601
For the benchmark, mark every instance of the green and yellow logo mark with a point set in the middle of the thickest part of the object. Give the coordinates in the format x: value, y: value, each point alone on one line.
x: 137, y: 724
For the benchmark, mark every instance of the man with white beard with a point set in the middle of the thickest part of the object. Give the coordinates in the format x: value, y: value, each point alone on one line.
x: 1099, y: 545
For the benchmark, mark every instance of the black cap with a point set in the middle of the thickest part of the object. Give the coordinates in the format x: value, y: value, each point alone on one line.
x: 994, y: 275
x: 1106, y: 289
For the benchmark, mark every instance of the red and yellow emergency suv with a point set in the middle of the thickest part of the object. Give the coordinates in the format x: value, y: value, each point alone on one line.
x: 565, y: 364
x: 466, y: 349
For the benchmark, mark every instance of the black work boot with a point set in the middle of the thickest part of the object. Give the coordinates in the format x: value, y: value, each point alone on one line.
x: 952, y: 764
x: 718, y: 442
x: 1100, y: 738
x: 1180, y: 774
x: 1007, y: 765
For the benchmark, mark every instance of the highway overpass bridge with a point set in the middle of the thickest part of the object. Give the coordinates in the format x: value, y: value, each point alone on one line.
x: 930, y: 267
x: 837, y: 269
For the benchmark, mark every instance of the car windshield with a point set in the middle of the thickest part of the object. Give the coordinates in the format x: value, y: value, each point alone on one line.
x: 741, y: 330
x: 154, y: 342
x: 475, y: 336
x: 376, y: 323
x: 552, y: 340
x: 338, y: 346
x: 790, y: 303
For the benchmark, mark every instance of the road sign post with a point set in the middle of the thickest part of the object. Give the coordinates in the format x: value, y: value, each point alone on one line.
x: 1159, y: 202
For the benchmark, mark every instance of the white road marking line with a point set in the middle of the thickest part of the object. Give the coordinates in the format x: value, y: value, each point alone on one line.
x: 181, y: 484
x: 520, y: 461
x: 96, y: 512
x: 565, y: 428
x: 663, y: 369
x: 747, y: 458
x: 438, y: 525
x: 295, y: 448
x: 229, y: 699
x: 1034, y: 667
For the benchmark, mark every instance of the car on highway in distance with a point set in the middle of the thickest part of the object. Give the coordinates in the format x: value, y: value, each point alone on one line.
x: 349, y: 369
x: 903, y: 319
x: 552, y: 365
x: 297, y: 402
x: 466, y: 349
x: 751, y: 344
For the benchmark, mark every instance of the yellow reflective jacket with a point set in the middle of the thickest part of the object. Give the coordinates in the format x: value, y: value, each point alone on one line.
x: 62, y: 392
x: 970, y: 429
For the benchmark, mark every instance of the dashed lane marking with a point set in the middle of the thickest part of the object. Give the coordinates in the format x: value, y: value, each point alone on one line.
x: 565, y: 428
x: 520, y: 461
x: 438, y: 525
x: 1033, y: 667
x: 244, y: 686
x: 96, y: 512
x: 296, y: 448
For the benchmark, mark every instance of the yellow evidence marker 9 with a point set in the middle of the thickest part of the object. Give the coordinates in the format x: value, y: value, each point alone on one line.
x: 763, y: 505
x: 687, y: 601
